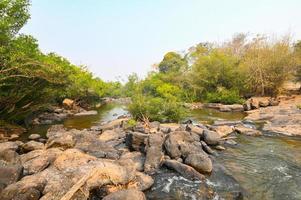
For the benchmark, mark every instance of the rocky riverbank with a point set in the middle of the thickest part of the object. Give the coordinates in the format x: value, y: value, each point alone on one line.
x: 284, y: 118
x: 111, y: 161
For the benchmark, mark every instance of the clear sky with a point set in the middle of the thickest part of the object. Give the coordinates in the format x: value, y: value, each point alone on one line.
x: 117, y: 37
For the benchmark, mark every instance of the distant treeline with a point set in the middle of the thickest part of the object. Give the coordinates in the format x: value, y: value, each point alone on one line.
x: 220, y: 73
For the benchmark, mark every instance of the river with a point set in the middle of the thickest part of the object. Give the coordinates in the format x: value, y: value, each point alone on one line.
x: 264, y: 168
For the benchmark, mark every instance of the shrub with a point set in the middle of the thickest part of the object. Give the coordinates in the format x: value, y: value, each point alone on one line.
x: 224, y: 96
x: 155, y: 109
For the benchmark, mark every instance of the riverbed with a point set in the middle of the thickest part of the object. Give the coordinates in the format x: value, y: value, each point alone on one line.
x: 265, y: 167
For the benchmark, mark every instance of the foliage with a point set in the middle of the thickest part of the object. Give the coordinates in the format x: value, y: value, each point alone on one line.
x: 151, y: 108
x: 224, y: 96
x: 31, y: 80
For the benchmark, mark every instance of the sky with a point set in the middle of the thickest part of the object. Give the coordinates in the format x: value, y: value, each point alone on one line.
x: 115, y: 38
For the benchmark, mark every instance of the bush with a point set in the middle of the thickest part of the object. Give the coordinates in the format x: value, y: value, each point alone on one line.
x: 155, y: 109
x: 224, y: 96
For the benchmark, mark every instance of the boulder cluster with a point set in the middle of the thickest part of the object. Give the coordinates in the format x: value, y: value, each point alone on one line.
x: 110, y: 161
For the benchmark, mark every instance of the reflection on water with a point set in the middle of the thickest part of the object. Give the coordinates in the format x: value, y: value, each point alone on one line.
x: 106, y: 112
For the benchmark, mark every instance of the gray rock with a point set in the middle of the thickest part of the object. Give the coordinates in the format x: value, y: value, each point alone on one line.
x: 211, y: 137
x: 199, y: 161
x: 136, y: 141
x: 185, y: 170
x: 154, y: 152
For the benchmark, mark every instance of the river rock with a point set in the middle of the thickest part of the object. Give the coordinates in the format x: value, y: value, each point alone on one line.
x: 32, y: 145
x: 34, y: 137
x: 247, y: 131
x: 38, y: 160
x: 195, y: 129
x: 135, y: 141
x: 211, y: 137
x: 135, y: 159
x: 154, y: 153
x: 185, y: 170
x: 10, y: 168
x: 179, y: 142
x: 207, y: 149
x: 223, y: 130
x: 199, y: 161
x: 62, y: 140
x: 9, y: 146
x: 129, y: 194
x: 109, y: 135
x: 231, y: 108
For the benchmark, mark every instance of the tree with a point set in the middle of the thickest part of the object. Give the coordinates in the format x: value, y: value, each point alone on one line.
x: 172, y: 62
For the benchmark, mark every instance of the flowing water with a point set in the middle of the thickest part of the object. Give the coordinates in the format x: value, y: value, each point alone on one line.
x: 257, y: 168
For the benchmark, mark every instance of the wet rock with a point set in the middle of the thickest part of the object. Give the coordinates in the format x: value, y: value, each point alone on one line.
x: 178, y: 143
x: 135, y: 159
x: 154, y: 153
x: 34, y: 137
x: 130, y: 194
x: 211, y: 137
x: 220, y: 148
x: 185, y: 170
x: 199, y: 161
x: 135, y: 141
x: 247, y: 131
x: 223, y: 130
x: 226, y: 122
x: 207, y: 149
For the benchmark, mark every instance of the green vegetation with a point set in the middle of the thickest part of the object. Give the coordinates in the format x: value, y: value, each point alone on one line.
x: 221, y: 73
x: 31, y: 80
x: 226, y: 73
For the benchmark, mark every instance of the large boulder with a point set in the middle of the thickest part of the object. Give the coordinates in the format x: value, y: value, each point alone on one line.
x: 38, y: 160
x: 129, y: 194
x: 135, y: 159
x: 199, y: 161
x: 136, y: 141
x: 10, y: 168
x: 211, y: 137
x: 154, y: 152
x: 185, y: 170
x: 178, y: 143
